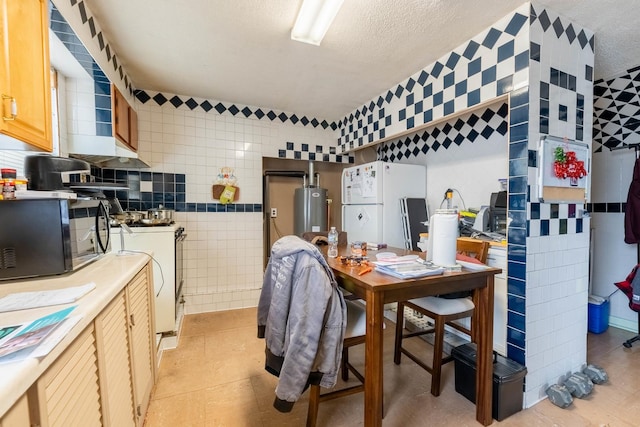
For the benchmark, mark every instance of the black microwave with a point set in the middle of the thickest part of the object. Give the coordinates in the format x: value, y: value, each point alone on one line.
x: 42, y: 237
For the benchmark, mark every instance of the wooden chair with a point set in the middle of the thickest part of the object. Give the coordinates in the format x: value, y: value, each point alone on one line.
x: 354, y: 335
x: 443, y: 311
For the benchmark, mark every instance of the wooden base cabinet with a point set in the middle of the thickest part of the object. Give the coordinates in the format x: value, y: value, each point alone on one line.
x: 142, y: 339
x: 105, y: 377
x: 68, y: 392
x: 116, y: 375
x: 18, y: 415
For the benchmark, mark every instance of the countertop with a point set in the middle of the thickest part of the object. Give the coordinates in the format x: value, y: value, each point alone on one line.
x: 110, y: 274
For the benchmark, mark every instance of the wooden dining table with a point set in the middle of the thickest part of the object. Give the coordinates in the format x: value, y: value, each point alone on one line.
x: 378, y: 289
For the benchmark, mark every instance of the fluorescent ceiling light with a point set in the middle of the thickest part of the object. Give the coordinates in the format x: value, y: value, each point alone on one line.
x: 314, y: 19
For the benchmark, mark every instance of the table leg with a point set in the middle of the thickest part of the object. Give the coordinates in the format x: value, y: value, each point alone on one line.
x: 373, y: 390
x: 484, y: 335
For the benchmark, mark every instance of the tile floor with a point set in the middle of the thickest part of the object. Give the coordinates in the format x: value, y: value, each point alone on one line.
x: 216, y: 377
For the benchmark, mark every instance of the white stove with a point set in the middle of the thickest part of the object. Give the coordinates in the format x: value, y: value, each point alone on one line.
x: 165, y: 244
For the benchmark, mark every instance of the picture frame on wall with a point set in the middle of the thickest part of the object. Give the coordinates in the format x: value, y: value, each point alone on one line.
x: 563, y: 170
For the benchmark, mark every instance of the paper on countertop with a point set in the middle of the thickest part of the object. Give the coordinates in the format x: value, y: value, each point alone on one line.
x: 55, y: 337
x: 25, y: 300
x: 47, y: 344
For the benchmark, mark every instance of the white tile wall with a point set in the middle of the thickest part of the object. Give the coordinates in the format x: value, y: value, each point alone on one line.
x: 557, y: 291
x: 484, y: 161
x: 224, y: 252
x: 557, y: 274
x: 80, y: 105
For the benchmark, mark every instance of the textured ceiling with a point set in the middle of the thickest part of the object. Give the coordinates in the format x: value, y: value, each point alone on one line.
x: 239, y: 51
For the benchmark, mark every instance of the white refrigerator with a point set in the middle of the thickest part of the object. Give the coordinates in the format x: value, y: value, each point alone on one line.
x: 371, y: 195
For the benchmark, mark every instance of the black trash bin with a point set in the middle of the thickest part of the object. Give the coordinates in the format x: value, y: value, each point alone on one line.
x: 508, y: 380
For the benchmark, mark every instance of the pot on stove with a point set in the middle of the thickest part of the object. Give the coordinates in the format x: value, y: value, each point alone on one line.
x: 161, y: 213
x: 127, y: 217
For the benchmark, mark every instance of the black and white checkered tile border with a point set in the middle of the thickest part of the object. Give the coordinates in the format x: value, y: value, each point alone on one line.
x: 469, y: 127
x: 98, y: 37
x: 561, y: 29
x: 562, y: 96
x: 485, y: 67
x: 299, y: 151
x: 291, y: 150
x: 232, y: 109
x: 475, y: 72
x: 102, y: 86
x: 554, y: 219
x: 616, y: 111
x: 564, y: 81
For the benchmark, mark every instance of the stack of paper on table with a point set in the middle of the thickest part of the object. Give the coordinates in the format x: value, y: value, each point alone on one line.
x: 406, y: 267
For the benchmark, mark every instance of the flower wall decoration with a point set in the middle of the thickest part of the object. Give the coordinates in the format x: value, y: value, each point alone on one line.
x: 225, y: 189
x: 566, y: 165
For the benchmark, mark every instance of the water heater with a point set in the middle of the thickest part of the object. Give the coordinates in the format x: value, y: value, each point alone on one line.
x: 310, y: 207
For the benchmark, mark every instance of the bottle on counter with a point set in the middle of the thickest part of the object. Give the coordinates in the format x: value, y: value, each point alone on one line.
x: 332, y: 252
x: 8, y: 183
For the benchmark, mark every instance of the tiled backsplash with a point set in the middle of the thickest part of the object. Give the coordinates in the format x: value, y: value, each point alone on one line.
x: 148, y: 190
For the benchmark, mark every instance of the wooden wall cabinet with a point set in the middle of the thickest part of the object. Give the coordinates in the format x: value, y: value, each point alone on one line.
x: 105, y: 377
x: 25, y: 87
x: 125, y: 119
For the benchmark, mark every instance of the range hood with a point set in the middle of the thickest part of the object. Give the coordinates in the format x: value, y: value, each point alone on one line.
x: 103, y: 152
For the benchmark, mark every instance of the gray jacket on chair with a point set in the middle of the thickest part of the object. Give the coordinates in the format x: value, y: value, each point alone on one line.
x: 302, y: 315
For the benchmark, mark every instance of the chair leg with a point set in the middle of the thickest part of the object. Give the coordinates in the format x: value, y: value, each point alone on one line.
x: 314, y: 403
x: 399, y: 327
x: 438, y: 347
x: 344, y: 364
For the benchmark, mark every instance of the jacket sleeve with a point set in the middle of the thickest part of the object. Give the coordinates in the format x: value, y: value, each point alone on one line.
x: 311, y: 293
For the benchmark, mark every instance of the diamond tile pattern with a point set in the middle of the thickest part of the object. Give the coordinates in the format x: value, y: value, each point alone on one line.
x: 59, y: 26
x: 452, y: 83
x: 300, y: 151
x: 475, y: 72
x: 233, y: 109
x: 616, y: 111
x: 290, y: 151
x: 471, y: 128
x: 67, y: 36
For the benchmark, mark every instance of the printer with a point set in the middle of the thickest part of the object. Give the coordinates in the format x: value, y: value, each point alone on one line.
x: 498, y: 212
